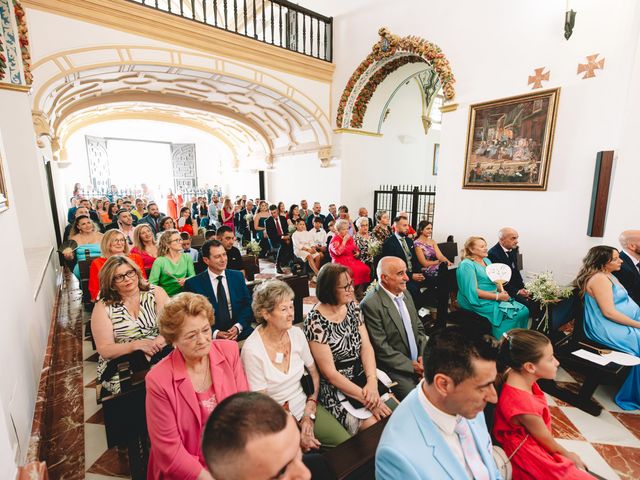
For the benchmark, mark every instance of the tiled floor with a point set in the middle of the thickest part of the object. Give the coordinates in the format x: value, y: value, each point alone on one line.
x: 608, y: 444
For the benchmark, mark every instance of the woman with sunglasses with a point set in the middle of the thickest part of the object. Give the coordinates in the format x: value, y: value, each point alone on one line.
x: 125, y: 318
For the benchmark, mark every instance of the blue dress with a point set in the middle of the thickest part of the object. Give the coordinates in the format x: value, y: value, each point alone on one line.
x: 503, y: 316
x: 94, y: 251
x: 620, y: 337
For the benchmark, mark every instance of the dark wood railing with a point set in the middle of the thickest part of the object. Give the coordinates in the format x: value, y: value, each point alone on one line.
x: 418, y: 202
x: 278, y: 22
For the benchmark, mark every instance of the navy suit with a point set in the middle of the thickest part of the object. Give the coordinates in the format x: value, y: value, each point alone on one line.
x: 327, y: 219
x: 629, y: 277
x: 310, y: 219
x: 240, y: 299
x: 498, y: 255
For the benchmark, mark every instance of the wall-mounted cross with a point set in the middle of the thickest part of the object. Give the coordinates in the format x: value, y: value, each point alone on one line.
x: 538, y: 77
x: 591, y: 66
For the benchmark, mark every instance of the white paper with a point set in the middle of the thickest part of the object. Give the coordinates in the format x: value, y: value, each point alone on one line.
x: 592, y: 357
x: 622, y: 358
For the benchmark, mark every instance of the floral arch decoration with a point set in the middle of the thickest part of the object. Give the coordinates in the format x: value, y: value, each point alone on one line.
x: 388, y: 54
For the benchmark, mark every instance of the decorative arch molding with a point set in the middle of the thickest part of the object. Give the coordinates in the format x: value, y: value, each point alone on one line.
x: 388, y: 55
x: 283, y: 119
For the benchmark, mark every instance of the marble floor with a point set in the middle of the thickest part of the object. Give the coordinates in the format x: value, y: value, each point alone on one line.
x: 609, y: 444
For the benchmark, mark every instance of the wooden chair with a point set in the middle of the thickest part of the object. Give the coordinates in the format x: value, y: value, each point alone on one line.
x: 565, y: 344
x: 355, y: 458
x: 251, y: 266
x: 84, y: 267
x: 197, y: 241
x: 300, y: 286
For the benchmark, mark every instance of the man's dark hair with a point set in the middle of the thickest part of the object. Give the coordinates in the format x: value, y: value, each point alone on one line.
x: 151, y: 204
x: 122, y: 210
x: 235, y: 421
x: 400, y: 217
x: 273, y: 207
x: 207, y: 246
x: 317, y: 220
x: 185, y: 236
x: 327, y: 284
x: 224, y: 229
x: 451, y: 350
x: 210, y: 234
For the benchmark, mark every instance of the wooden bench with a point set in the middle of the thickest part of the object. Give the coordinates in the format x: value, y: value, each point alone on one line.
x: 251, y: 266
x: 84, y: 267
x: 355, y: 458
x: 565, y: 344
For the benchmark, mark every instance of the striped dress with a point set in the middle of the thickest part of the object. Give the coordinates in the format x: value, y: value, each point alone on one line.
x: 128, y: 329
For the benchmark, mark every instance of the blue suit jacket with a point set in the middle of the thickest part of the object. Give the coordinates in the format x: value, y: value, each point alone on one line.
x: 392, y: 248
x: 412, y: 447
x: 240, y: 298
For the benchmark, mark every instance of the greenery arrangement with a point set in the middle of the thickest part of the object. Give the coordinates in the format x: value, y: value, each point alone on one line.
x: 543, y: 289
x: 253, y: 247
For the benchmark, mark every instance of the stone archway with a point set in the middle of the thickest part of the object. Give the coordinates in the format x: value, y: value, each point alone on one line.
x: 388, y: 55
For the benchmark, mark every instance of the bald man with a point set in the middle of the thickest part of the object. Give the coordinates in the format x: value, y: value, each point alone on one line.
x: 506, y: 251
x: 395, y: 330
x: 629, y: 273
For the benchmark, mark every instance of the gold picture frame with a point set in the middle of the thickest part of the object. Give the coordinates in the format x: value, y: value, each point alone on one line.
x: 509, y: 142
x: 4, y: 200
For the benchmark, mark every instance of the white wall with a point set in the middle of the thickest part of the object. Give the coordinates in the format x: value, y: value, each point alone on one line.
x: 402, y: 156
x: 493, y: 47
x: 27, y: 230
x: 300, y: 177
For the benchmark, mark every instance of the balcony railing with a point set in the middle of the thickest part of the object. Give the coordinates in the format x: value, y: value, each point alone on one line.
x: 280, y: 23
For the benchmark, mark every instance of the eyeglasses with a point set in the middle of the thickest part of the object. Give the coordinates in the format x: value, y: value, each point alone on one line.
x: 347, y: 287
x: 118, y: 240
x: 120, y: 278
x: 175, y: 240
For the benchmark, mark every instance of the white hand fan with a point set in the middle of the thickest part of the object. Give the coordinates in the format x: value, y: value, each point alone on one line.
x: 499, y: 273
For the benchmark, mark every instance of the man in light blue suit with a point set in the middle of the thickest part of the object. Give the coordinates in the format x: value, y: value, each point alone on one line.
x: 438, y: 432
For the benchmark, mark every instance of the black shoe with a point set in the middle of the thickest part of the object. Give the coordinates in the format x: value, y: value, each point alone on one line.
x: 279, y: 269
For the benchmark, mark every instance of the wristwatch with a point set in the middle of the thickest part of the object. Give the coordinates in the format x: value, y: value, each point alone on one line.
x: 312, y: 416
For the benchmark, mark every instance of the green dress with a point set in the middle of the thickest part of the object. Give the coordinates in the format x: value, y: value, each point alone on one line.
x: 164, y: 273
x: 503, y: 316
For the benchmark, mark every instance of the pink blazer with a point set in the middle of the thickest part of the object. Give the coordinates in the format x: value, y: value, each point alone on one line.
x: 173, y: 414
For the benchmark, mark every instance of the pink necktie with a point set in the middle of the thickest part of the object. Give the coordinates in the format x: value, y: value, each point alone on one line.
x: 470, y: 452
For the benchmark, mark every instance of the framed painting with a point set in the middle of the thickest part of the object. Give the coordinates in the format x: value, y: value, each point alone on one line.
x: 4, y: 202
x: 509, y: 142
x: 436, y: 157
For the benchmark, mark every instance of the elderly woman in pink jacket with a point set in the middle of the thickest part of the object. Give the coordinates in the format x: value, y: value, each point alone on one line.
x: 185, y: 387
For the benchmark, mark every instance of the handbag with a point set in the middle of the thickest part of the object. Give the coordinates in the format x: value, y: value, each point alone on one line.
x: 360, y: 379
x: 307, y: 384
x: 503, y: 462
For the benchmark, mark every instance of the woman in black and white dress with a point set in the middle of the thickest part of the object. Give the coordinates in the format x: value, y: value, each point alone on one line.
x: 340, y: 345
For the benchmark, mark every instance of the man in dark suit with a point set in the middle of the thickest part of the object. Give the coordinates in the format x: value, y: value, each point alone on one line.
x: 332, y: 216
x: 152, y: 218
x: 395, y: 330
x: 278, y: 233
x: 240, y: 221
x: 506, y: 251
x: 629, y: 273
x: 315, y: 214
x: 401, y: 246
x: 227, y: 239
x: 363, y: 213
x: 227, y: 292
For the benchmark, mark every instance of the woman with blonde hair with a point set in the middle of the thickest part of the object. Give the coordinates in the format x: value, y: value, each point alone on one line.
x: 186, y: 387
x: 145, y: 245
x: 124, y: 320
x: 173, y: 266
x: 113, y: 242
x: 611, y: 317
x: 478, y: 294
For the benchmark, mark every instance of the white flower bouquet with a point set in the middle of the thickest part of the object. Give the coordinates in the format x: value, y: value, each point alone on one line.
x: 292, y: 228
x: 248, y: 218
x: 543, y: 289
x: 374, y: 247
x: 253, y: 247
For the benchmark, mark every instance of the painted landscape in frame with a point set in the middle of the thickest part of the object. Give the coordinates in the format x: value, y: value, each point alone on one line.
x: 509, y: 142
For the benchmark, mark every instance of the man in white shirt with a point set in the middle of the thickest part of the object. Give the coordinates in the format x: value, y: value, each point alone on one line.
x: 214, y: 209
x: 227, y: 292
x: 438, y: 431
x: 395, y: 330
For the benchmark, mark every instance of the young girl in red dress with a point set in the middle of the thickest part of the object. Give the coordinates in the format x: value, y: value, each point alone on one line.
x: 522, y: 420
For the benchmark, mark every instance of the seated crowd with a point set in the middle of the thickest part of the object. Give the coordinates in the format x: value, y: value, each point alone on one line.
x: 362, y: 356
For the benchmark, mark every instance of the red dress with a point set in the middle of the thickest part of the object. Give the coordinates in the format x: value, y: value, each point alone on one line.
x: 344, y: 255
x: 172, y: 207
x: 532, y: 460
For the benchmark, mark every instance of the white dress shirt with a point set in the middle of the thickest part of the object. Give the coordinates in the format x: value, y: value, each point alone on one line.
x: 214, y: 284
x: 446, y: 424
x: 319, y: 237
x: 393, y: 299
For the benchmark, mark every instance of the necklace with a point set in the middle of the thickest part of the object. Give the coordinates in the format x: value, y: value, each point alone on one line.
x: 201, y: 385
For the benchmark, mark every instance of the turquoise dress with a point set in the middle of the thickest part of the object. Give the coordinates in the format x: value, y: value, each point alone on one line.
x: 94, y: 251
x: 503, y: 316
x: 623, y: 338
